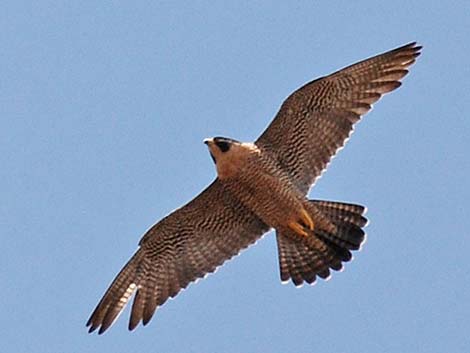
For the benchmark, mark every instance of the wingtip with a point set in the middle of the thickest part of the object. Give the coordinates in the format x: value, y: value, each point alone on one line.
x: 92, y: 323
x: 414, y: 46
x: 417, y: 47
x: 89, y: 324
x: 92, y: 328
x: 132, y: 325
x: 102, y: 329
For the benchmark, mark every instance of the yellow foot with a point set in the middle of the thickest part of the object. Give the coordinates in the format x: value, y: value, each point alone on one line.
x: 301, y: 225
x: 298, y: 228
x: 306, y: 219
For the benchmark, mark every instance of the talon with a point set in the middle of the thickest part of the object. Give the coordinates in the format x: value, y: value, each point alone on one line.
x: 298, y: 228
x: 306, y: 219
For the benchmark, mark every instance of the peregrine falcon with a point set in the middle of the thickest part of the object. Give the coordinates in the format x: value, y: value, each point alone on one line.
x: 262, y: 186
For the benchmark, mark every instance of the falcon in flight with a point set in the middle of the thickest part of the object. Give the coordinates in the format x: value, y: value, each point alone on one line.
x: 262, y: 186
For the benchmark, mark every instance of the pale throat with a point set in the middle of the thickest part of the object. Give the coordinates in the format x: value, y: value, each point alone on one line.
x: 230, y: 164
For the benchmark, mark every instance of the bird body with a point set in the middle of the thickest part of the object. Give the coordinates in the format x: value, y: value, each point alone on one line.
x: 260, y: 186
x: 254, y: 179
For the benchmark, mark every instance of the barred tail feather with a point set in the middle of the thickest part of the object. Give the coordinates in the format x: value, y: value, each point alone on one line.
x: 303, y: 259
x: 349, y: 220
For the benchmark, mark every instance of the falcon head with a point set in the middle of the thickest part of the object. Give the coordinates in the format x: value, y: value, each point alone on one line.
x: 220, y: 147
x: 229, y: 155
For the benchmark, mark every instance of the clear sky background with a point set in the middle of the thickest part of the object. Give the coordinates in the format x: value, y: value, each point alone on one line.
x: 103, y: 108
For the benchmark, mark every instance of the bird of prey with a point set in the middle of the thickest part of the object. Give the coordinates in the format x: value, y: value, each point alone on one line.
x: 262, y: 186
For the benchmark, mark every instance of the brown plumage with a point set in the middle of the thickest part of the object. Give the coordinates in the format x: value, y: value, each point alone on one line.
x: 260, y: 186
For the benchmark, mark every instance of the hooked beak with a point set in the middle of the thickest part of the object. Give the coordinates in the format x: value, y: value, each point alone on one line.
x: 209, y: 142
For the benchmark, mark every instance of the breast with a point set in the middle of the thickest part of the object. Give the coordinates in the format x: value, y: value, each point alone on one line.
x: 265, y: 189
x: 230, y: 164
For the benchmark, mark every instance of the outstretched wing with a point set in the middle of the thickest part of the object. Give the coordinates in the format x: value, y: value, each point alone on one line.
x: 315, y: 121
x: 189, y: 243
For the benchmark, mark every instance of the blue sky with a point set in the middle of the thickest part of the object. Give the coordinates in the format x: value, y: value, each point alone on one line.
x: 104, y: 106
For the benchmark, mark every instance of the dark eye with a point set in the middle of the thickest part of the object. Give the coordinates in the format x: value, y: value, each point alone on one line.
x: 223, y: 145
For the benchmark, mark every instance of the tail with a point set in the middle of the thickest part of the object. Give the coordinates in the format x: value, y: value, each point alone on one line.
x: 303, y: 258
